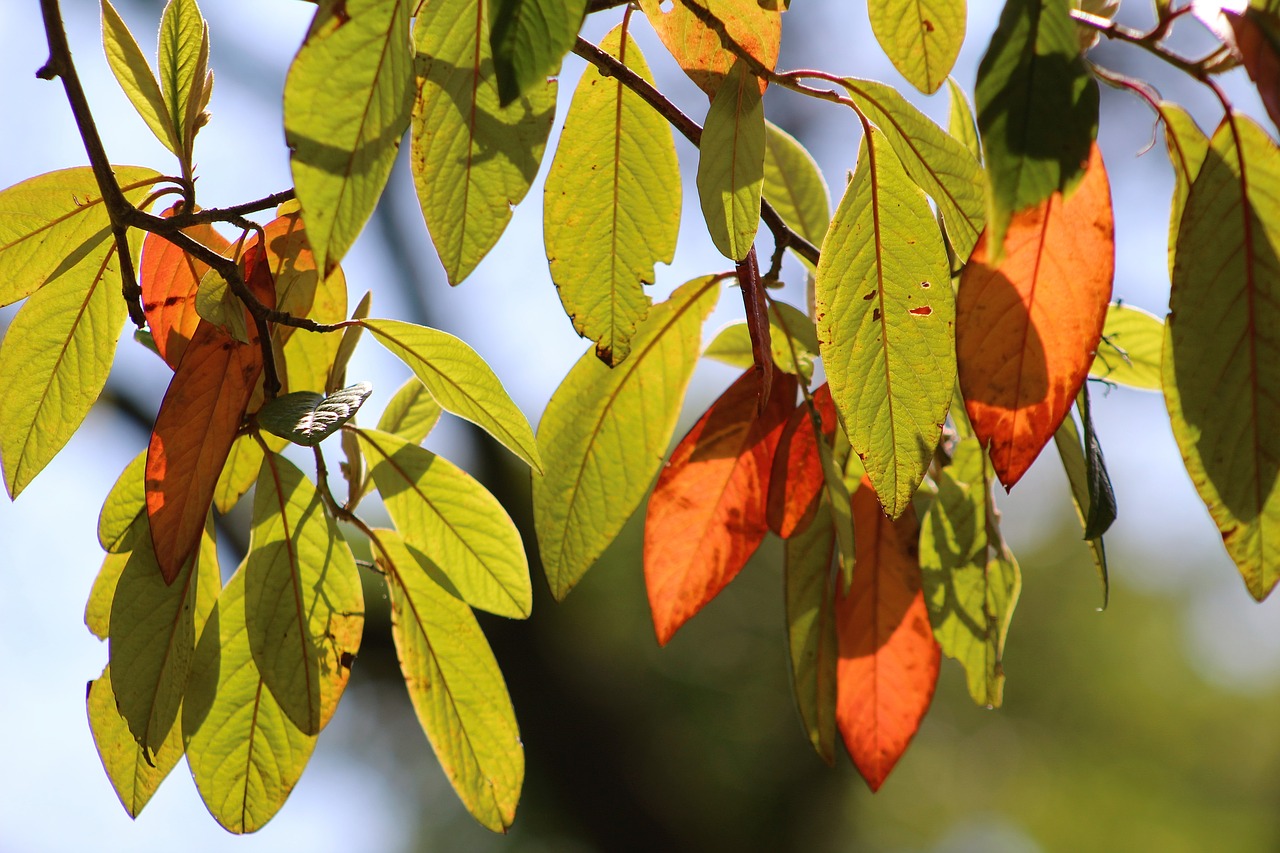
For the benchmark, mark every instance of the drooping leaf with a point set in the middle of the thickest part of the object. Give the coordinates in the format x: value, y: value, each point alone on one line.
x: 922, y: 38
x: 456, y: 687
x: 794, y: 185
x: 1187, y: 146
x: 1221, y: 351
x: 244, y: 752
x: 309, y: 417
x: 473, y: 160
x: 810, y: 584
x: 1129, y: 352
x: 347, y: 101
x: 135, y: 774
x: 886, y: 319
x: 835, y: 461
x: 797, y: 480
x: 239, y: 472
x: 731, y: 164
x: 304, y: 608
x: 960, y: 121
x: 1037, y: 110
x: 97, y: 610
x: 706, y: 516
x: 134, y: 74
x: 412, y: 412
x: 184, y: 69
x: 1071, y: 449
x: 347, y: 345
x: 460, y: 381
x: 1027, y: 326
x: 529, y: 38
x: 889, y: 659
x: 698, y: 48
x: 454, y: 522
x: 121, y: 507
x: 1102, y: 500
x: 605, y: 432
x: 611, y: 207
x: 792, y: 337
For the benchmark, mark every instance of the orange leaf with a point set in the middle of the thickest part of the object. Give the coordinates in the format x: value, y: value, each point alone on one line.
x: 198, y: 419
x: 169, y: 278
x: 889, y: 659
x: 795, y: 484
x: 1027, y: 328
x: 707, y: 514
x: 698, y: 49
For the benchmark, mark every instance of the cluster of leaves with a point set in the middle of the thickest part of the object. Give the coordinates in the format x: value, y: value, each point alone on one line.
x: 949, y: 310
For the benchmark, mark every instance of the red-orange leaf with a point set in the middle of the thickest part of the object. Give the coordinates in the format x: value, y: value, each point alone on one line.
x: 169, y: 278
x: 707, y: 514
x: 795, y: 485
x: 889, y: 659
x: 698, y: 48
x: 197, y: 422
x: 1027, y: 328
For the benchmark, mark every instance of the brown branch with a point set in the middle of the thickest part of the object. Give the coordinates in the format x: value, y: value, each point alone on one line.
x: 1200, y: 69
x: 226, y: 214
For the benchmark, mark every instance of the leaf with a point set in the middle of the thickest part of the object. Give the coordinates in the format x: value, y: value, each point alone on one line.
x: 455, y: 685
x: 937, y: 162
x: 794, y: 185
x: 216, y: 303
x: 183, y: 61
x: 611, y: 207
x: 170, y: 279
x: 454, y: 522
x: 699, y: 50
x: 885, y: 323
x: 97, y: 610
x: 789, y: 329
x: 922, y: 38
x: 304, y: 607
x: 706, y: 516
x: 810, y: 585
x: 1221, y: 351
x: 55, y: 224
x: 309, y: 417
x: 889, y: 659
x: 1187, y: 146
x: 1037, y: 110
x: 460, y: 381
x: 135, y: 774
x: 1072, y: 452
x: 347, y: 101
x: 797, y: 479
x: 1028, y: 325
x: 239, y: 472
x: 472, y: 160
x: 731, y: 164
x: 1129, y: 352
x: 412, y: 412
x: 529, y: 39
x: 1102, y: 500
x: 134, y: 74
x: 605, y: 432
x: 347, y: 345
x: 960, y: 123
x: 245, y: 754
x: 970, y: 589
x: 121, y: 508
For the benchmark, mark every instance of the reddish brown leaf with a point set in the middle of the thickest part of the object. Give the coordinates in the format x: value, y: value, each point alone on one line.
x: 169, y: 278
x: 698, y: 49
x: 198, y: 419
x: 889, y: 659
x: 1256, y: 34
x: 795, y: 484
x: 1027, y: 328
x: 707, y: 514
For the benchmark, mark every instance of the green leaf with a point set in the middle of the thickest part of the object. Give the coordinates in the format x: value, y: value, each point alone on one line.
x: 240, y: 471
x: 121, y: 508
x: 731, y: 163
x: 347, y: 101
x: 460, y: 382
x: 454, y: 522
x: 412, y: 412
x: 455, y: 685
x: 1129, y: 352
x: 97, y: 610
x: 309, y: 417
x: 184, y: 66
x: 134, y: 74
x: 473, y: 161
x: 1187, y: 146
x: 810, y: 587
x: 245, y: 754
x: 922, y: 38
x: 611, y: 208
x: 960, y: 123
x: 304, y: 606
x: 1102, y: 500
x: 971, y: 583
x: 55, y: 224
x: 1072, y: 451
x: 794, y: 185
x: 347, y: 346
x: 937, y: 162
x: 1037, y: 109
x: 886, y: 323
x: 1222, y: 347
x: 605, y: 432
x: 135, y: 774
x: 529, y: 40
x: 216, y: 303
x: 788, y: 328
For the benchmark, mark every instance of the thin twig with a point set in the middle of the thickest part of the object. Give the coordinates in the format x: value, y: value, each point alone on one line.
x: 1150, y: 42
x: 227, y: 214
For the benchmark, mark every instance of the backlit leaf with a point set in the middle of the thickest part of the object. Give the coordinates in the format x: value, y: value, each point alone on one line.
x: 121, y: 507
x: 411, y: 413
x: 183, y: 61
x: 134, y: 773
x: 1072, y: 451
x: 1129, y: 352
x: 239, y: 472
x: 886, y: 320
x: 1187, y: 146
x: 309, y: 417
x: 347, y: 345
x: 810, y: 584
x: 792, y: 339
x: 529, y: 39
x: 960, y: 122
x: 1028, y: 325
x: 921, y: 37
x: 473, y: 161
x: 97, y: 610
x: 611, y: 208
x: 794, y: 185
x: 796, y: 483
x: 698, y: 49
x: 731, y: 164
x: 605, y: 432
x: 134, y: 74
x: 706, y: 516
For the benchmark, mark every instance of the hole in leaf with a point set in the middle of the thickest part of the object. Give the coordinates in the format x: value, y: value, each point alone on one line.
x: 922, y: 311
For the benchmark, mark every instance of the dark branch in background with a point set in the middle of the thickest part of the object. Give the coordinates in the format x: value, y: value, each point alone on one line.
x: 229, y: 214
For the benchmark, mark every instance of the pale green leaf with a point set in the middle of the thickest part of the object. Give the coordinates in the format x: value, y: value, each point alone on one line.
x: 347, y: 101
x: 1129, y: 352
x: 922, y: 38
x: 216, y: 303
x: 605, y: 432
x: 121, y: 507
x: 473, y: 161
x: 886, y: 323
x: 134, y: 773
x: 455, y: 685
x: 1072, y: 452
x: 792, y: 338
x: 304, y: 606
x: 794, y: 185
x: 309, y: 417
x: 347, y: 346
x: 412, y: 412
x: 460, y: 381
x: 183, y: 61
x: 960, y: 123
x: 1187, y: 146
x: 240, y: 471
x: 134, y: 74
x: 529, y: 40
x: 731, y: 163
x: 97, y: 610
x: 810, y: 585
x: 454, y: 522
x: 611, y: 207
